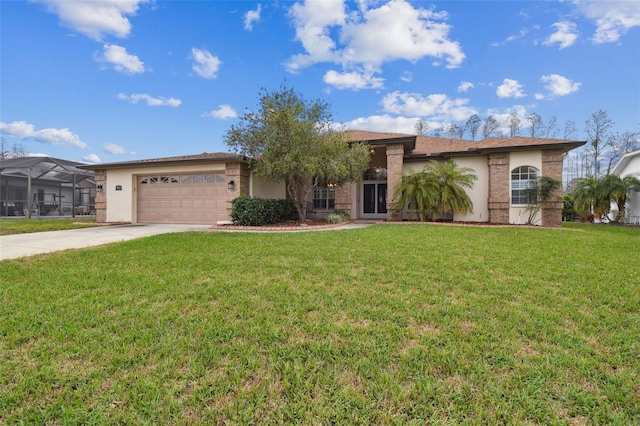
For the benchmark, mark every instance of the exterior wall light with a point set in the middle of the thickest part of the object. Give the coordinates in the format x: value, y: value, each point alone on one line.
x: 231, y: 185
x: 99, y: 188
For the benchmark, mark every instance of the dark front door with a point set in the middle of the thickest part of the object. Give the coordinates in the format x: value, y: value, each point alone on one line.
x: 374, y: 199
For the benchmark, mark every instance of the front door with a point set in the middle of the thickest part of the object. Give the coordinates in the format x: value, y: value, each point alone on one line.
x: 374, y: 200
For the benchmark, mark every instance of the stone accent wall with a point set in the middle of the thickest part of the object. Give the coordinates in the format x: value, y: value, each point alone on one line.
x: 101, y: 197
x: 237, y: 172
x: 395, y: 154
x: 343, y: 198
x: 552, y: 167
x: 499, y: 197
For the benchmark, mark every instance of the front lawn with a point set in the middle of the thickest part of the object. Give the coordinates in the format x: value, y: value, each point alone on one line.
x: 397, y: 324
x: 24, y: 226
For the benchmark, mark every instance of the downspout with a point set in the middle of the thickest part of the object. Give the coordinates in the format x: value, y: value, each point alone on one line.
x: 29, y: 193
x: 73, y: 197
x: 251, y: 183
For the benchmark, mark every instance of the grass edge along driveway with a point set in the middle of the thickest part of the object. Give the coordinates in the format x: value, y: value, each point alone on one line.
x: 384, y: 325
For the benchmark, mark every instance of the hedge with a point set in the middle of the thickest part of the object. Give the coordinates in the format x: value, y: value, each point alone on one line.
x: 256, y: 211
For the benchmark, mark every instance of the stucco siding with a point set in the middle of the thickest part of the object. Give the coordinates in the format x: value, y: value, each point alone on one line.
x: 261, y: 187
x: 517, y: 213
x: 632, y: 167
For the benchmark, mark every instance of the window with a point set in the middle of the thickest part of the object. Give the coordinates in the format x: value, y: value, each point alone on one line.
x: 324, y: 198
x: 523, y: 178
x: 376, y: 173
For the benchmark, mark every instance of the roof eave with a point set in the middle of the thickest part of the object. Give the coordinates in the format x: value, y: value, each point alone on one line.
x: 173, y: 162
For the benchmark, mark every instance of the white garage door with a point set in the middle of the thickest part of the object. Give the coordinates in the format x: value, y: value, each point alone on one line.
x: 183, y: 198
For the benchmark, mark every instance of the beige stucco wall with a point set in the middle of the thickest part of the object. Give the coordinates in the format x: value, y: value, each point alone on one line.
x: 633, y: 199
x: 260, y: 187
x: 517, y: 214
x: 479, y: 194
x: 121, y: 205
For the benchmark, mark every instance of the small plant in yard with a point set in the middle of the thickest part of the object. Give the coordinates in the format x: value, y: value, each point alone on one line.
x: 338, y: 217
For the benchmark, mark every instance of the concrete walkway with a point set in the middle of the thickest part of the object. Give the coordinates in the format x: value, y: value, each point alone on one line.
x: 21, y: 245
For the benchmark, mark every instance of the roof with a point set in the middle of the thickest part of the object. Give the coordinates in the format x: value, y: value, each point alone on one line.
x: 429, y: 146
x: 205, y: 157
x: 45, y: 168
x: 622, y: 164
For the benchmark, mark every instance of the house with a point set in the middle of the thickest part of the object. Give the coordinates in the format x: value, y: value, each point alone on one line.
x: 629, y: 165
x: 200, y: 188
x: 45, y: 186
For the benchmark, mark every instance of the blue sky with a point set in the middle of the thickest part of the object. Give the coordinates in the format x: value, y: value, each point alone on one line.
x: 116, y: 80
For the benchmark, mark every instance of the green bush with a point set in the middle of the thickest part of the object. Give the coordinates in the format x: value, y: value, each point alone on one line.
x: 338, y: 217
x: 568, y: 211
x: 255, y: 211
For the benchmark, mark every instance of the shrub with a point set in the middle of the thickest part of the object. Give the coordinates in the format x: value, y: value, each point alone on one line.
x: 255, y: 211
x: 338, y: 217
x: 568, y: 211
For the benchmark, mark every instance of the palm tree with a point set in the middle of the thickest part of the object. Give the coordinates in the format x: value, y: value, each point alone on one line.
x: 438, y: 188
x: 589, y: 196
x: 543, y: 190
x: 617, y: 189
x: 451, y: 181
x: 416, y: 191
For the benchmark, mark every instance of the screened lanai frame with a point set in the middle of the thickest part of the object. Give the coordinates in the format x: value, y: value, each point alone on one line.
x: 45, y: 186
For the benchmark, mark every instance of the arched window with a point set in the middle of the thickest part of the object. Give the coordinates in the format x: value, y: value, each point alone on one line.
x: 523, y: 178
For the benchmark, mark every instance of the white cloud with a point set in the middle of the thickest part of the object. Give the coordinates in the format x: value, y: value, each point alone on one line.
x: 206, y: 65
x: 612, y: 18
x: 565, y: 35
x: 558, y: 85
x: 523, y: 32
x: 510, y: 89
x: 383, y: 123
x: 436, y: 106
x: 464, y: 86
x: 116, y: 149
x: 95, y: 18
x: 223, y: 112
x: 367, y: 38
x: 24, y: 130
x: 250, y: 17
x: 353, y: 80
x: 407, y: 76
x: 134, y: 98
x: 121, y: 60
x: 538, y: 96
x: 91, y: 159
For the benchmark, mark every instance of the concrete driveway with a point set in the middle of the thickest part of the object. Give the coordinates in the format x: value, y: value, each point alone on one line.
x: 20, y: 245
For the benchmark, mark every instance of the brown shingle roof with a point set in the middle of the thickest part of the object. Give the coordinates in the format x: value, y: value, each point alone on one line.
x: 363, y: 135
x: 205, y: 157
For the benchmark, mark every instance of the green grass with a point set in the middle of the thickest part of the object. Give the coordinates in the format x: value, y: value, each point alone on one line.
x: 24, y: 226
x: 393, y: 324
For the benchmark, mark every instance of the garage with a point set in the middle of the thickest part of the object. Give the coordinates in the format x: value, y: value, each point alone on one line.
x: 182, y: 198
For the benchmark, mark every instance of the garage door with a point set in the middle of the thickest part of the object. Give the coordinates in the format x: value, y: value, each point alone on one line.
x: 183, y: 198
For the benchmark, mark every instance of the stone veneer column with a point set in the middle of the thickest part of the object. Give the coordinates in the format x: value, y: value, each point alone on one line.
x: 499, y: 199
x: 343, y: 198
x: 552, y: 167
x: 238, y: 172
x: 101, y: 197
x: 395, y: 154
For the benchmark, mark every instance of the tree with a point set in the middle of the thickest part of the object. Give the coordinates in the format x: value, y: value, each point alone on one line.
x: 597, y: 129
x: 535, y: 124
x: 542, y: 191
x: 569, y: 130
x: 422, y: 127
x: 621, y: 145
x: 617, y: 189
x: 454, y: 131
x: 473, y: 125
x: 14, y: 151
x: 552, y: 124
x: 589, y: 197
x: 489, y: 126
x: 437, y: 189
x: 437, y: 132
x: 290, y: 138
x: 515, y: 124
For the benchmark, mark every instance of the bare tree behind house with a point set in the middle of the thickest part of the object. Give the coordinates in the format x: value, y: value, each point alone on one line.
x: 489, y: 126
x: 421, y: 127
x: 437, y: 132
x: 569, y: 130
x: 598, y: 129
x: 620, y: 145
x: 535, y: 124
x: 515, y: 124
x: 473, y: 125
x: 552, y: 127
